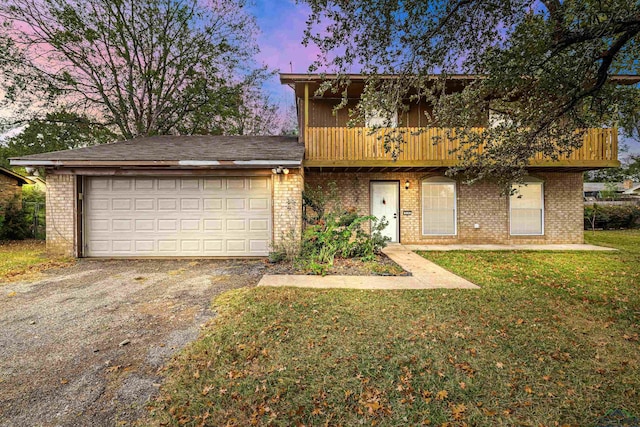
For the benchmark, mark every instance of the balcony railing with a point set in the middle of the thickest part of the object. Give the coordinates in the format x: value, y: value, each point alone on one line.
x: 335, y: 146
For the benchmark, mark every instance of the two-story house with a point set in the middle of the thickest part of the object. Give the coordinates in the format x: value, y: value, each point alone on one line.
x: 238, y: 195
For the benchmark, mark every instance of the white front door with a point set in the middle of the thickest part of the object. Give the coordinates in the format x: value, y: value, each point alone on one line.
x: 385, y: 204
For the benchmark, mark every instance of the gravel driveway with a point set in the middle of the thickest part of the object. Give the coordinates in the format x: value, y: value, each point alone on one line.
x: 83, y: 345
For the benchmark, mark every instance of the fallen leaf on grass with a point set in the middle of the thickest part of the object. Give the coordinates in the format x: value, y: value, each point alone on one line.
x: 442, y: 395
x: 458, y: 411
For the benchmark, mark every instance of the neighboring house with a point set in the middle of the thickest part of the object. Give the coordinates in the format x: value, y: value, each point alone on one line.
x: 237, y: 196
x: 597, y: 190
x: 11, y: 186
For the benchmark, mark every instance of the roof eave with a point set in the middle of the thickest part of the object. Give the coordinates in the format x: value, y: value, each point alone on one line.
x: 292, y: 78
x: 21, y: 179
x: 158, y: 163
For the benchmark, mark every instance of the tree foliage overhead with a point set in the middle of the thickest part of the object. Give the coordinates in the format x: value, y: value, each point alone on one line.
x: 543, y: 66
x: 141, y: 67
x: 56, y: 131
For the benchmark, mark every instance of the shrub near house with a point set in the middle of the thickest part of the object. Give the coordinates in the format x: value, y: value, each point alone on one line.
x: 611, y: 217
x: 13, y: 222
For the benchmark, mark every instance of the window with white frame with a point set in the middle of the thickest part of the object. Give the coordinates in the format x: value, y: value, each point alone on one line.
x: 438, y: 207
x: 376, y: 118
x: 526, y: 206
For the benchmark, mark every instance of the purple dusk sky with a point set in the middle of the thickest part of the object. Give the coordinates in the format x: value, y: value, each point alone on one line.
x: 282, y: 24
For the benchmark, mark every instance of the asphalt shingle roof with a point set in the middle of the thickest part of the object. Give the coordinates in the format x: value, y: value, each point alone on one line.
x: 180, y: 148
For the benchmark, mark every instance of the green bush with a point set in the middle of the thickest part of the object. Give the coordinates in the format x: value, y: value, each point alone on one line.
x: 13, y: 222
x: 611, y: 217
x: 341, y: 235
x: 333, y: 232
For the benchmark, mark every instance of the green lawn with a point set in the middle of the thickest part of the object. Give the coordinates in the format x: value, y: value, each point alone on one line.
x: 550, y: 338
x: 21, y: 258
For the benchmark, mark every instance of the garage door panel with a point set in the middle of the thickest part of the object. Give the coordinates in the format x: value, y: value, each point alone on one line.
x: 190, y: 225
x: 145, y: 225
x: 122, y: 246
x: 212, y: 204
x: 99, y: 183
x: 236, y: 183
x: 212, y: 225
x: 121, y: 225
x: 145, y: 205
x: 213, y: 183
x: 99, y: 205
x: 120, y: 204
x: 99, y: 246
x: 167, y: 225
x: 190, y: 184
x: 236, y: 225
x: 98, y: 225
x: 166, y: 184
x: 121, y: 184
x: 145, y: 246
x: 167, y: 205
x: 236, y: 246
x: 261, y: 204
x: 177, y: 216
x: 235, y: 204
x: 190, y: 245
x: 190, y: 204
x: 144, y: 184
x: 257, y: 246
x: 165, y: 245
x: 259, y: 183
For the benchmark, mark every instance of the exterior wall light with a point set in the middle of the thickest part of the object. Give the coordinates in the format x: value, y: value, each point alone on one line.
x: 406, y: 185
x: 280, y: 171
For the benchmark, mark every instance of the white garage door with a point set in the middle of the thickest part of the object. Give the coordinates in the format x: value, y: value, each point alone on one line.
x: 177, y: 216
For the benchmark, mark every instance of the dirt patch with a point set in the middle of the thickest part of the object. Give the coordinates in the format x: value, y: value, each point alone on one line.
x: 381, y: 266
x: 83, y: 345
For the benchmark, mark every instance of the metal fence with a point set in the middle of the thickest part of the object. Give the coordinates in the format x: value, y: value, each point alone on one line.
x: 36, y: 214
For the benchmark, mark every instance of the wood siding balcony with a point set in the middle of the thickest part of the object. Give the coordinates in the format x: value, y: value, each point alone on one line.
x: 355, y: 147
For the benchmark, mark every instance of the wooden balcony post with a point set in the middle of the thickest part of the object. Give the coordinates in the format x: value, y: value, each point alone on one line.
x: 306, y: 105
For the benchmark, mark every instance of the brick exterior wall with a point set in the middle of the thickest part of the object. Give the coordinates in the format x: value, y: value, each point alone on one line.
x: 9, y: 188
x: 480, y: 204
x: 477, y: 204
x: 61, y: 214
x: 287, y: 207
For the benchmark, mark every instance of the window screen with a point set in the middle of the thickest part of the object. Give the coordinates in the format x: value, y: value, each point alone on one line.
x: 438, y: 208
x: 527, y: 209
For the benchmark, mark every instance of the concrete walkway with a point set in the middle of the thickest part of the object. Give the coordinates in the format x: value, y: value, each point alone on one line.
x: 425, y: 275
x: 567, y: 247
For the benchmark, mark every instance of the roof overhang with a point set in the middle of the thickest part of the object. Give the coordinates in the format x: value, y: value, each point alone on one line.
x: 223, y: 164
x: 19, y: 178
x: 293, y: 78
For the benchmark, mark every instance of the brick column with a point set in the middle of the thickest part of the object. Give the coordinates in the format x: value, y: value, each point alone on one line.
x: 287, y: 207
x: 61, y: 214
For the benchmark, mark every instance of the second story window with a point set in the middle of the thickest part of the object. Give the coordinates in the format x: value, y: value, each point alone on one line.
x: 377, y: 118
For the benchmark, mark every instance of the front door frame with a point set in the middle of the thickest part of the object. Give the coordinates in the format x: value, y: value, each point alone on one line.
x: 397, y: 182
